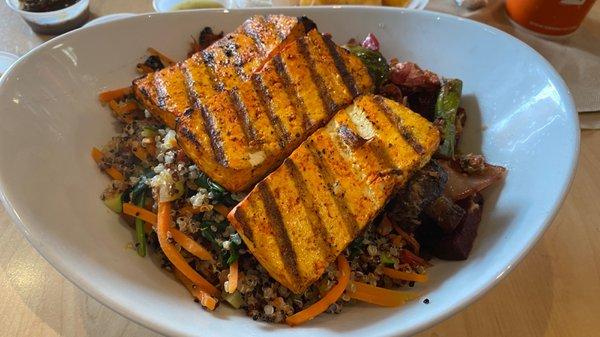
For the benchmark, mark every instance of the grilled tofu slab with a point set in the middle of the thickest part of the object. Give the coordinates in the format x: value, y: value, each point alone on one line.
x: 239, y: 132
x: 232, y: 59
x: 300, y: 217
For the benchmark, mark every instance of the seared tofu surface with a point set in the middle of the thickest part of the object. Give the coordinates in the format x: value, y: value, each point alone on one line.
x: 238, y: 133
x: 299, y: 218
x: 232, y: 59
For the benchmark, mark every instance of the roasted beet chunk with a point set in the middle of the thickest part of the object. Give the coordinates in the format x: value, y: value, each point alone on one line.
x: 458, y: 245
x: 445, y: 213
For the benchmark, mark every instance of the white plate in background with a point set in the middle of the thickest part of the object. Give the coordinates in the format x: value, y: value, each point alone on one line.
x: 520, y: 115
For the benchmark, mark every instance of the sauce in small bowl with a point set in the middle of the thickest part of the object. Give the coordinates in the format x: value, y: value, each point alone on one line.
x: 53, y: 22
x: 177, y: 5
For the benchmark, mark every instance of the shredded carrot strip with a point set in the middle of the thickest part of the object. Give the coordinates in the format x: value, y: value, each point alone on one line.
x: 401, y: 275
x: 114, y: 173
x: 162, y: 57
x: 327, y: 300
x: 139, y: 212
x: 162, y: 228
x: 222, y: 209
x: 122, y: 108
x: 97, y: 155
x: 407, y: 237
x: 410, y: 257
x: 205, y: 299
x: 379, y: 296
x: 232, y: 278
x: 115, y: 94
x: 191, y: 245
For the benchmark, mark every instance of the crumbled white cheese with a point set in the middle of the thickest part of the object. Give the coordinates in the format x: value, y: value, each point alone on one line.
x: 235, y: 238
x: 159, y: 168
x: 147, y: 113
x: 162, y: 181
x: 226, y: 244
x: 146, y: 141
x: 169, y: 141
x: 199, y: 198
x: 169, y: 157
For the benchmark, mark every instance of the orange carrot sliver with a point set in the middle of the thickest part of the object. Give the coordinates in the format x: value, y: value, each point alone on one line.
x: 408, y: 238
x: 232, y: 278
x: 333, y: 295
x: 205, y: 299
x: 191, y: 245
x: 114, y: 173
x: 402, y: 275
x: 380, y: 296
x: 162, y: 228
x: 139, y: 212
x: 222, y: 209
x: 97, y: 155
x: 115, y: 94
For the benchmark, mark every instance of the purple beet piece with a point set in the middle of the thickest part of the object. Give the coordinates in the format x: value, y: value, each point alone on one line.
x: 457, y: 245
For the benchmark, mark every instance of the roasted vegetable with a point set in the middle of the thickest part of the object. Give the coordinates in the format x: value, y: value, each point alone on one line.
x: 114, y: 202
x: 462, y: 185
x: 422, y: 189
x: 374, y: 61
x: 139, y: 229
x: 446, y: 108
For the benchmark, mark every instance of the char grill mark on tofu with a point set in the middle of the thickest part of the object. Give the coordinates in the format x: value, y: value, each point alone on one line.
x: 209, y: 60
x: 330, y: 188
x: 310, y: 206
x: 341, y: 66
x: 284, y: 244
x: 243, y: 117
x: 332, y: 185
x: 216, y: 142
x: 328, y: 103
x: 242, y: 221
x: 292, y: 93
x: 397, y: 121
x: 266, y: 100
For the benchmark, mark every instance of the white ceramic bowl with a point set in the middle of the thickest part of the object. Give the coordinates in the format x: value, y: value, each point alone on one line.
x: 521, y: 115
x: 169, y: 5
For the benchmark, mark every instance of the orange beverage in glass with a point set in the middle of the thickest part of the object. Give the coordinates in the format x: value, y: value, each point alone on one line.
x: 549, y: 17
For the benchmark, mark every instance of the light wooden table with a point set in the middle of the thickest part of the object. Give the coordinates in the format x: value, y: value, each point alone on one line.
x: 555, y: 291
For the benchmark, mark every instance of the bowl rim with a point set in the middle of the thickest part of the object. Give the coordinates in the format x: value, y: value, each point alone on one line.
x: 505, y: 267
x: 12, y: 6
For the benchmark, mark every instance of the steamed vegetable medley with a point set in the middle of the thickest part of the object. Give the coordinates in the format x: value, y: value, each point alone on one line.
x: 378, y: 151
